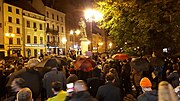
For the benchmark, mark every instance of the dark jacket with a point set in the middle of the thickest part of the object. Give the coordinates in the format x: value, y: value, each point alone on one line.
x: 149, y: 96
x: 109, y: 92
x: 33, y: 81
x: 174, y: 78
x: 82, y: 96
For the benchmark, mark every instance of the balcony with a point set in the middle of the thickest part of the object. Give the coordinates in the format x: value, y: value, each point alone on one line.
x: 52, y: 31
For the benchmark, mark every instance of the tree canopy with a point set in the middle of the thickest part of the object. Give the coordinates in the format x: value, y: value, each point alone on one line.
x: 142, y: 24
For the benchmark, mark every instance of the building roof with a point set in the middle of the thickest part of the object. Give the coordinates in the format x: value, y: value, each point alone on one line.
x: 22, y: 4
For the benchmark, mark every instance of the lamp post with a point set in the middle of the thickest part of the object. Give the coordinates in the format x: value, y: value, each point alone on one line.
x: 90, y: 16
x: 64, y: 40
x: 9, y: 36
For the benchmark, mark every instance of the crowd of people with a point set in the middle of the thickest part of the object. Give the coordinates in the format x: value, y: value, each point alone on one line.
x: 110, y: 80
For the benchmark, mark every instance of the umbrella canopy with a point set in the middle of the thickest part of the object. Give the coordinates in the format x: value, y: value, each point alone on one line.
x: 64, y: 61
x: 120, y: 56
x: 85, y: 64
x: 50, y: 62
x: 156, y: 62
x: 140, y: 64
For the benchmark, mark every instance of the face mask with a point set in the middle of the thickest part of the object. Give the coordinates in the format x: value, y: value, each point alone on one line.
x: 146, y: 89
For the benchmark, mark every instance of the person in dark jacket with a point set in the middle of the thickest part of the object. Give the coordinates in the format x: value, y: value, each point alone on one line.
x: 80, y: 92
x: 109, y: 92
x: 149, y: 94
x: 174, y: 76
x: 16, y: 85
x: 31, y: 76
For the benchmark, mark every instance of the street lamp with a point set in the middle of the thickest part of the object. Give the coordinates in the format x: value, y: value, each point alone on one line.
x: 9, y: 36
x: 90, y: 16
x: 110, y: 45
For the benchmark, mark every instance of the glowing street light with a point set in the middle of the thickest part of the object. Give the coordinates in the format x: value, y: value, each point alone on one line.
x: 64, y: 40
x: 92, y: 15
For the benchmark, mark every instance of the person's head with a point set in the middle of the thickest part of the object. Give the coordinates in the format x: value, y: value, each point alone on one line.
x: 32, y: 63
x: 72, y: 71
x: 56, y: 86
x: 145, y: 84
x: 80, y: 85
x: 166, y: 92
x: 17, y: 84
x: 24, y: 94
x: 110, y: 77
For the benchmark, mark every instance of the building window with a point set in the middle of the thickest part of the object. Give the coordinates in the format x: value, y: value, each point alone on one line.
x: 62, y: 28
x: 10, y: 40
x: 0, y: 25
x: 58, y: 28
x: 17, y: 11
x: 34, y: 25
x: 35, y: 39
x: 47, y: 14
x: 40, y: 26
x: 9, y: 19
x: 28, y: 39
x: 48, y: 39
x: 41, y: 40
x: 53, y: 27
x: 61, y: 19
x: 28, y: 23
x: 35, y: 52
x: 47, y: 25
x: 58, y: 39
x: 9, y: 9
x: 18, y: 30
x: 57, y: 18
x: 0, y: 8
x: 54, y: 39
x: 17, y: 21
x: 52, y: 16
x: 10, y: 29
x: 18, y: 41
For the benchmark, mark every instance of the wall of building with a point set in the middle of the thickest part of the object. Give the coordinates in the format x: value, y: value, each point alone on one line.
x: 16, y: 47
x: 33, y: 49
x: 1, y: 30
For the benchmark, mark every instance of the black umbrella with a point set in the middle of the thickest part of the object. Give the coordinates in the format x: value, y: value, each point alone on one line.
x: 51, y: 62
x: 140, y: 64
x: 64, y: 61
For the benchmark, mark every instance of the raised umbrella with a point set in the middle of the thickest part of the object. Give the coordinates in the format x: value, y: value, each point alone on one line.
x: 120, y: 56
x: 84, y: 64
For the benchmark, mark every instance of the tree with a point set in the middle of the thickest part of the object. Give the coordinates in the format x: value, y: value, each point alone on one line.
x: 148, y: 24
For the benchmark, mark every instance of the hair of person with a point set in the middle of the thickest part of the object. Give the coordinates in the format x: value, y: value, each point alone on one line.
x: 25, y: 94
x: 57, y: 86
x: 109, y: 77
x: 80, y: 85
x: 20, y: 82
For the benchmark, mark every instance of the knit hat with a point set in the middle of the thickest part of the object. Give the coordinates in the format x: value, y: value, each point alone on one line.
x: 145, y: 82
